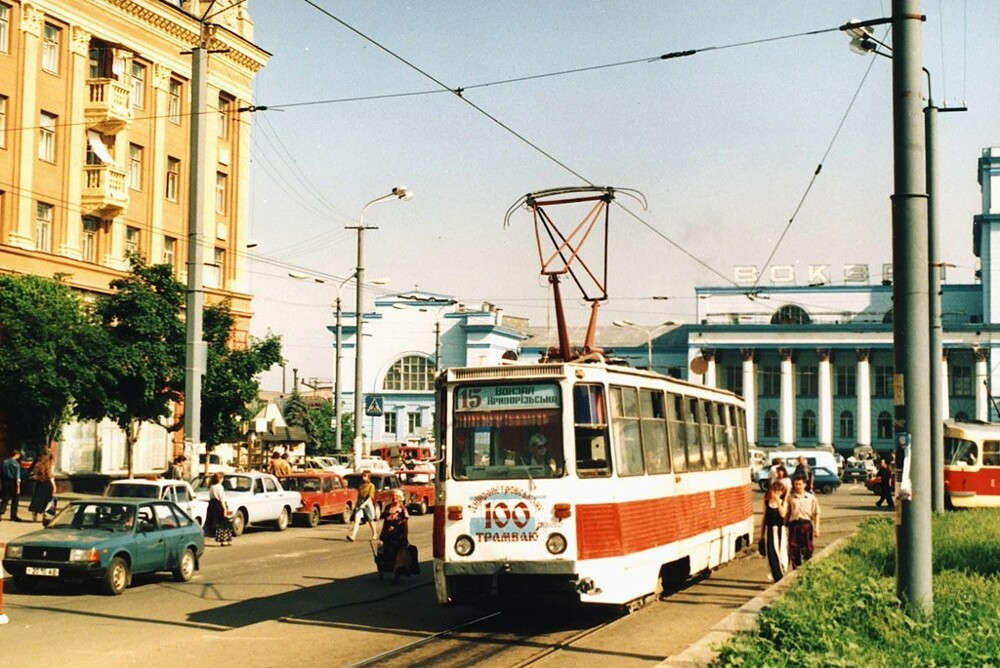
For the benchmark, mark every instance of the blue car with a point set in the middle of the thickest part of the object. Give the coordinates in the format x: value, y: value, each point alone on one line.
x: 107, y: 540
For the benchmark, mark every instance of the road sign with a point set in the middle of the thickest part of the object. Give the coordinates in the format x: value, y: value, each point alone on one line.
x: 373, y: 405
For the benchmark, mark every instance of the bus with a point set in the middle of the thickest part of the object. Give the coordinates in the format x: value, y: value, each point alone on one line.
x: 972, y: 464
x: 586, y: 480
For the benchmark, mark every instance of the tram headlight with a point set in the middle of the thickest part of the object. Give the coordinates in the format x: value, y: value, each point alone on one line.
x: 464, y: 546
x: 555, y: 543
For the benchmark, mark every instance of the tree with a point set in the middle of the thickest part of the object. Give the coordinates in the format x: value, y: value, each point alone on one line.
x: 230, y: 388
x: 48, y: 344
x: 142, y: 373
x: 321, y: 416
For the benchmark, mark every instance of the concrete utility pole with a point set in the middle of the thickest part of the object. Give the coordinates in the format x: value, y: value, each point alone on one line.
x: 194, y: 365
x: 911, y: 327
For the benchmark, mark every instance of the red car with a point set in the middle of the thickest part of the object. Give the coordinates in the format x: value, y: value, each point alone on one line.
x: 324, y: 494
x: 419, y: 491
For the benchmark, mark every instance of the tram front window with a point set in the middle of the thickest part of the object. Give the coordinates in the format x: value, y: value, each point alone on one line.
x: 960, y: 451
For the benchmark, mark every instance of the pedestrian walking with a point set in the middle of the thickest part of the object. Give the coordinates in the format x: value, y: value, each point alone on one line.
x: 803, y: 522
x: 773, y: 531
x: 395, y: 537
x: 886, y: 482
x: 218, y: 522
x: 803, y: 469
x: 364, y: 506
x: 45, y: 485
x: 10, y: 484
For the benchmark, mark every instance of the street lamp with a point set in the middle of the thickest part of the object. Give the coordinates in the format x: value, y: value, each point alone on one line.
x: 444, y: 303
x: 649, y: 336
x: 399, y: 192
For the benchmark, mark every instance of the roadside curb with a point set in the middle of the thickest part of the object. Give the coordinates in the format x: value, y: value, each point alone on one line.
x: 705, y: 651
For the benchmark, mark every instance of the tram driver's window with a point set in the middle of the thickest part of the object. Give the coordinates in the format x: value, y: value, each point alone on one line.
x: 591, y: 431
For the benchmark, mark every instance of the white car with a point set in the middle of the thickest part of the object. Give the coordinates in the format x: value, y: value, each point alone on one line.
x: 178, y: 491
x: 253, y: 497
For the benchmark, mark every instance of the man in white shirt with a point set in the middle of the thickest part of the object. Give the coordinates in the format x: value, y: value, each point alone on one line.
x: 803, y: 522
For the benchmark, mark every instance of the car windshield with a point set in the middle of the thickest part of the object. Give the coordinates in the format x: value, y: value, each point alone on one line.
x: 110, y: 516
x: 297, y: 484
x: 135, y: 490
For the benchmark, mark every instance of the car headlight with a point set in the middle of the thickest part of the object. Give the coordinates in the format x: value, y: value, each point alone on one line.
x: 14, y: 551
x: 84, y: 554
x: 555, y: 544
x: 464, y: 546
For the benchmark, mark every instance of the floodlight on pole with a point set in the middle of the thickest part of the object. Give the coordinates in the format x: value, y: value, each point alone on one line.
x: 400, y: 193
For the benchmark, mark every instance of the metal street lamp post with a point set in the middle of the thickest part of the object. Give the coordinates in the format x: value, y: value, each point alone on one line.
x: 398, y: 192
x: 649, y: 336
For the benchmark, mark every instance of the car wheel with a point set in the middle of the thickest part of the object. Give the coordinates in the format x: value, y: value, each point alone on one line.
x: 422, y: 509
x: 345, y: 517
x: 117, y: 576
x: 239, y: 523
x: 185, y: 568
x: 314, y: 517
x: 25, y: 583
x: 282, y: 522
x: 827, y: 488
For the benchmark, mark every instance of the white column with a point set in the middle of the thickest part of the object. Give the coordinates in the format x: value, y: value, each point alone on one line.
x: 864, y: 390
x: 750, y: 394
x: 982, y: 391
x: 945, y: 403
x: 787, y: 415
x: 824, y: 416
x: 710, y: 370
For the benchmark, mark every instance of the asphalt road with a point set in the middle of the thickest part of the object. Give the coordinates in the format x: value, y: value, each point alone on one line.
x: 309, y: 597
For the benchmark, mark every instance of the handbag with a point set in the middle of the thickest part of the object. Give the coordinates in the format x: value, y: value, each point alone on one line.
x: 761, y: 547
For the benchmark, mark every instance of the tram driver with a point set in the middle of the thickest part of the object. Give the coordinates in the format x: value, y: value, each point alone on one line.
x: 537, y: 454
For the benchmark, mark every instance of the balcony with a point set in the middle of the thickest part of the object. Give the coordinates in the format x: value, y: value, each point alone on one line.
x: 109, y: 106
x: 104, y: 192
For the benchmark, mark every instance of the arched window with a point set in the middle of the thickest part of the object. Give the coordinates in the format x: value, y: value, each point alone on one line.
x: 884, y: 425
x: 847, y: 424
x: 790, y: 315
x: 411, y: 374
x: 771, y: 424
x: 808, y: 424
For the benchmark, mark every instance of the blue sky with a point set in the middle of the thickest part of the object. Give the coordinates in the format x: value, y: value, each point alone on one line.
x: 723, y: 144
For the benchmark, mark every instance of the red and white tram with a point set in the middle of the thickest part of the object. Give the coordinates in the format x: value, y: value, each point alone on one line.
x: 972, y: 464
x: 645, y: 480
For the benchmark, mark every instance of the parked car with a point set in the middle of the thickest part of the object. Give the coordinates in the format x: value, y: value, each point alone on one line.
x: 253, y: 497
x: 825, y: 481
x: 857, y: 470
x: 384, y: 481
x: 178, y: 491
x: 418, y: 489
x: 324, y: 494
x: 107, y: 539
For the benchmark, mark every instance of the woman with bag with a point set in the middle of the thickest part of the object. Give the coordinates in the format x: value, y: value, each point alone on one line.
x: 773, y: 532
x: 45, y: 486
x: 217, y: 520
x: 395, y: 537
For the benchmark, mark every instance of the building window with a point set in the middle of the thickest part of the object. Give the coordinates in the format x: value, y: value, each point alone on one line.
x: 221, y: 186
x: 960, y: 381
x: 50, y: 49
x: 224, y: 107
x: 4, y: 27
x: 790, y: 315
x: 883, y: 381
x: 847, y: 381
x: 770, y: 381
x: 173, y: 178
x: 389, y: 424
x: 138, y: 85
x: 847, y: 424
x: 43, y: 227
x: 3, y: 121
x: 771, y: 424
x: 808, y: 424
x: 808, y: 380
x: 170, y: 251
x: 131, y: 240
x: 47, y: 137
x: 135, y: 167
x: 413, y: 373
x: 174, y: 105
x: 214, y: 277
x: 90, y: 227
x: 734, y: 379
x: 413, y: 422
x: 884, y: 425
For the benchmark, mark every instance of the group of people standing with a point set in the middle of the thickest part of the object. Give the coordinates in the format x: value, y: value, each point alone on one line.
x: 41, y: 474
x: 790, y: 520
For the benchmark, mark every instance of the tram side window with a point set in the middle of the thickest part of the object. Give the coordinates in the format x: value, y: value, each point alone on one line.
x: 721, y: 442
x: 676, y: 430
x: 991, y: 453
x: 654, y: 432
x: 692, y: 432
x: 707, y: 436
x: 735, y: 437
x: 625, y: 423
x: 590, y: 431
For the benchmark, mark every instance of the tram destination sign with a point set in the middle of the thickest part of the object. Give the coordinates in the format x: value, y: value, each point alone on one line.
x: 477, y: 398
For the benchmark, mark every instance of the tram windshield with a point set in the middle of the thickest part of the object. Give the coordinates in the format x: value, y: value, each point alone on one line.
x: 504, y: 432
x: 960, y: 451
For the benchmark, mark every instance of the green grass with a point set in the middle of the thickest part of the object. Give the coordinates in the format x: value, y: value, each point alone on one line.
x: 843, y: 610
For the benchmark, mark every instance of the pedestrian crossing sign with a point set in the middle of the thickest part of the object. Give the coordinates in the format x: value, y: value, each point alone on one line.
x: 373, y: 405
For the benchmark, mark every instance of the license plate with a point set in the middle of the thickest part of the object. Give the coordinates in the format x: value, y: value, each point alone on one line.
x: 49, y: 572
